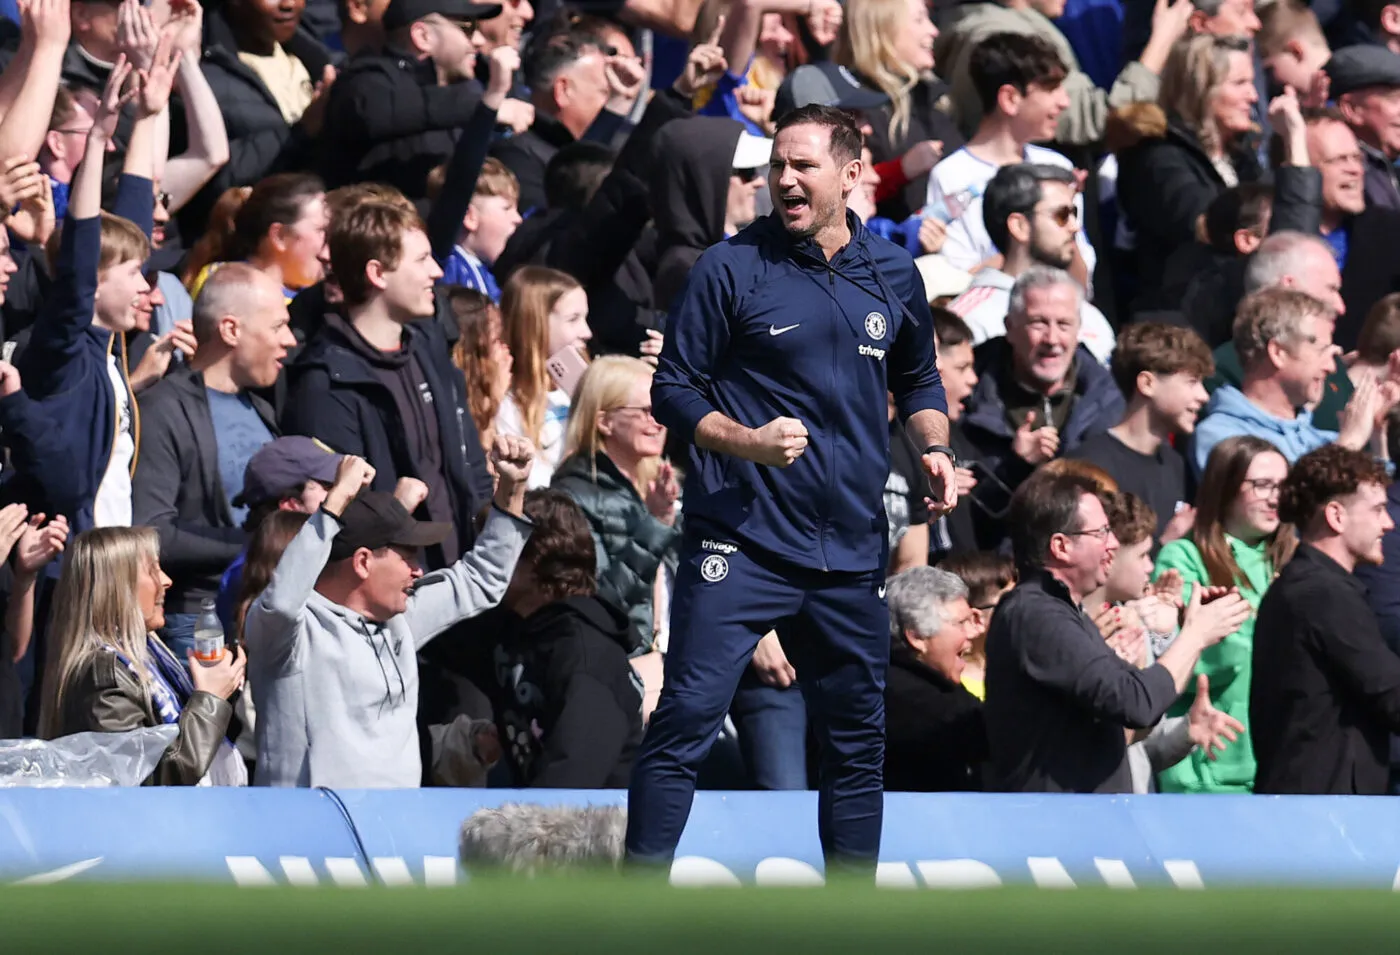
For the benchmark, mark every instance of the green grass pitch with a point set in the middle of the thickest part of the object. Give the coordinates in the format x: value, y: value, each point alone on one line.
x: 605, y: 914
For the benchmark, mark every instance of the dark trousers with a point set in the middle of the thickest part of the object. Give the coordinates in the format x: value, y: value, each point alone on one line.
x: 834, y: 628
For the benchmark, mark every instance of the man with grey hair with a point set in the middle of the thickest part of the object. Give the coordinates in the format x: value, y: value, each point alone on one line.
x: 935, y: 739
x: 1293, y: 260
x: 1039, y: 392
x: 1031, y: 213
x: 200, y: 426
x: 1284, y: 341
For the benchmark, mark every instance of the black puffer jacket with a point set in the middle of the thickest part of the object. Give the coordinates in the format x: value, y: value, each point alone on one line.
x: 259, y: 140
x: 389, y: 121
x: 631, y: 542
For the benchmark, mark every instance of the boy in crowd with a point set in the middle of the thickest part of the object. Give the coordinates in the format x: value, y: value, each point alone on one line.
x: 1160, y: 370
x: 490, y: 221
x: 75, y: 363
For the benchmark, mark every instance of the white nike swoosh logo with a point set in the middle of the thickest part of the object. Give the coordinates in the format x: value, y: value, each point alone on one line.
x: 775, y: 330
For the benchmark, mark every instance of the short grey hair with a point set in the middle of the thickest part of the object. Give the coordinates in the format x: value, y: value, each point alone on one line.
x: 1040, y: 277
x: 1210, y: 8
x: 1280, y: 256
x: 231, y: 289
x: 917, y: 599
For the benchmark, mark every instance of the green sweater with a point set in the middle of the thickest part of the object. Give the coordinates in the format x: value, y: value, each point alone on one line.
x: 1226, y: 665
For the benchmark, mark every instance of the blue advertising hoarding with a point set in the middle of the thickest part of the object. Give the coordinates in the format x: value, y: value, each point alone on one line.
x: 409, y: 837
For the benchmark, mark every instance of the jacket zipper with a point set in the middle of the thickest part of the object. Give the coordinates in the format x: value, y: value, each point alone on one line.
x: 834, y: 390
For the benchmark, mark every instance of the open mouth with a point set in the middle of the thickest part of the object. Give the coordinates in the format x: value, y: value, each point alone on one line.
x: 794, y: 204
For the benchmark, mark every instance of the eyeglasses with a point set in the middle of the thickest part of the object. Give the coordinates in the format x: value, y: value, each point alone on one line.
x: 1062, y: 215
x: 1263, y: 487
x: 644, y: 409
x: 744, y: 175
x: 1100, y: 533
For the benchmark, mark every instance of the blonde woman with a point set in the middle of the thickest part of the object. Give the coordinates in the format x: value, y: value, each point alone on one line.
x: 613, y: 470
x: 888, y: 46
x: 108, y: 673
x: 545, y: 313
x: 1176, y: 156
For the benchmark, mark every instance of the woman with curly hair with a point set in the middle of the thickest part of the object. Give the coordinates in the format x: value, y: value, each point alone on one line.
x: 483, y: 357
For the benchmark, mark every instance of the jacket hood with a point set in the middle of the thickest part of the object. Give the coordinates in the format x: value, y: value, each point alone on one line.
x: 985, y: 408
x: 568, y: 616
x: 357, y: 343
x: 1229, y: 400
x: 690, y: 187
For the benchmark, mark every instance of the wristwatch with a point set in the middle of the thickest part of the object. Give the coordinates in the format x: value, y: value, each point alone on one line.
x: 942, y: 449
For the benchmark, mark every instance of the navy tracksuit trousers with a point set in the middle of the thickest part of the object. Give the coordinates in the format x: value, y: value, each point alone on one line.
x: 834, y: 628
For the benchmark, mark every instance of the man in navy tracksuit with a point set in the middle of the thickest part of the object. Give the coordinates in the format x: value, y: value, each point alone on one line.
x: 776, y: 366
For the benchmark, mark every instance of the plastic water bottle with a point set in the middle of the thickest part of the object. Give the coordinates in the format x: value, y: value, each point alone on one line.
x: 208, y: 635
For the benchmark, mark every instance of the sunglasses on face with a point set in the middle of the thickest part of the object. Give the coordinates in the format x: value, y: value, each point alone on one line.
x: 744, y: 175
x: 1062, y: 215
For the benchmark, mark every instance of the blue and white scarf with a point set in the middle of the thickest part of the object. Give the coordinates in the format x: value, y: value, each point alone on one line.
x: 171, y: 686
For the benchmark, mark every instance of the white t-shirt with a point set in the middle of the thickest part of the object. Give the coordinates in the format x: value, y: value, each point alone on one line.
x: 112, y: 508
x: 551, y: 443
x: 955, y: 190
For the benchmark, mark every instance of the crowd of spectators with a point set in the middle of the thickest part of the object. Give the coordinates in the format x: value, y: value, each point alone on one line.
x: 339, y: 321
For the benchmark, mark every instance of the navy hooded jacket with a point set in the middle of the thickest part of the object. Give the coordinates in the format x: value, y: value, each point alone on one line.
x: 64, y: 364
x: 767, y: 328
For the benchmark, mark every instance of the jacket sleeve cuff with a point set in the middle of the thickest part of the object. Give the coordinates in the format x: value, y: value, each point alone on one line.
x: 684, y: 414
x: 931, y: 398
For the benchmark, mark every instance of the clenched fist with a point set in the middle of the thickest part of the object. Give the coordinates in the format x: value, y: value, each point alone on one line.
x: 779, y: 442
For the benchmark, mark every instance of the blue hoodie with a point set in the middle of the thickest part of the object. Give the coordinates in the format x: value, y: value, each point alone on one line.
x: 767, y: 328
x: 1230, y: 413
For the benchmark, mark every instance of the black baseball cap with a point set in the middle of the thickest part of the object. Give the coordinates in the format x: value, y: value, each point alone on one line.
x: 824, y: 84
x: 401, y: 13
x: 282, y: 466
x: 376, y: 519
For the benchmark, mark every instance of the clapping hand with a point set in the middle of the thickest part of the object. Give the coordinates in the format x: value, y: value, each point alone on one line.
x: 137, y: 35
x: 12, y: 524
x: 1210, y: 729
x: 20, y: 180
x: 1214, y: 613
x: 40, y: 543
x: 45, y: 22
x: 662, y: 493
x: 186, y: 28
x: 9, y: 379
x: 118, y: 92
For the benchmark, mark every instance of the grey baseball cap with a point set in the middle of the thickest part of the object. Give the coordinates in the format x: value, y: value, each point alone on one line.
x: 824, y: 84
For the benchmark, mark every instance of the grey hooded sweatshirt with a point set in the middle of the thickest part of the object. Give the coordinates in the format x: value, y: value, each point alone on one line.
x: 337, y: 694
